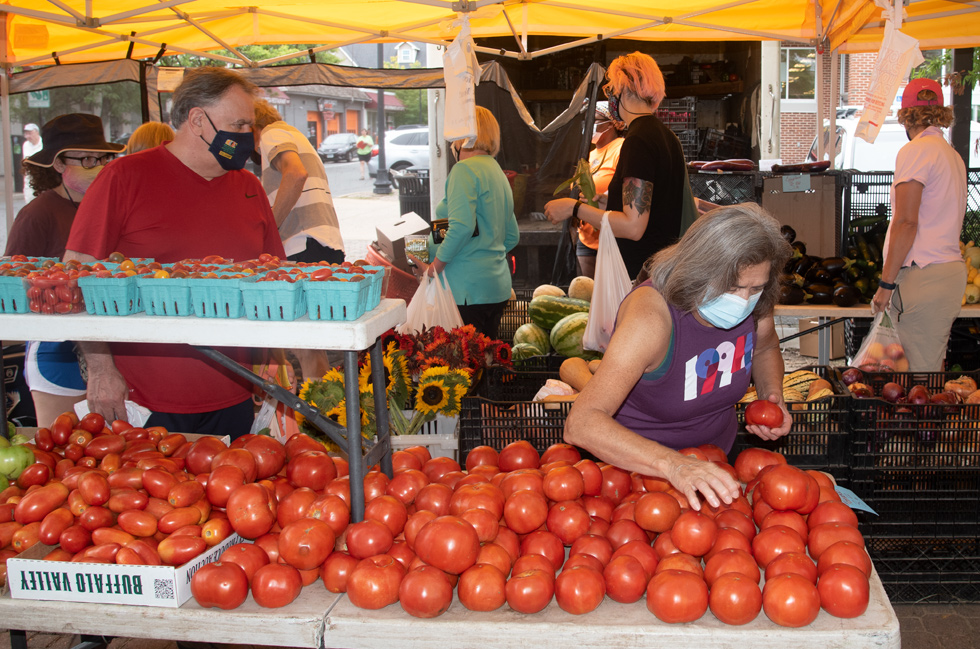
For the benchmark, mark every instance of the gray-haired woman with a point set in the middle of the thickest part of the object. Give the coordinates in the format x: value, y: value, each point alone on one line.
x: 687, y: 342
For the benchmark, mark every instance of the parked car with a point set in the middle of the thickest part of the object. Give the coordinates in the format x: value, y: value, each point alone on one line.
x: 338, y: 146
x: 854, y: 153
x: 404, y: 149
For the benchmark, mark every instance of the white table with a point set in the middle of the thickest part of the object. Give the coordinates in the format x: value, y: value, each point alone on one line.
x: 826, y: 312
x: 302, y: 333
x: 320, y: 619
x: 300, y: 624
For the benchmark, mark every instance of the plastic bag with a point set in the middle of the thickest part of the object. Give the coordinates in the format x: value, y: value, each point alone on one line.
x: 882, y: 349
x: 461, y: 70
x: 612, y: 283
x: 275, y: 418
x: 431, y: 306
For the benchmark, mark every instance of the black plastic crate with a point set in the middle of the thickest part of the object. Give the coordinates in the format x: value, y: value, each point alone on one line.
x: 868, y: 194
x: 718, y: 145
x: 679, y: 113
x: 963, y: 348
x: 483, y: 422
x: 819, y: 439
x: 523, y: 381
x: 932, y: 380
x: 927, y: 570
x: 855, y: 329
x: 515, y: 314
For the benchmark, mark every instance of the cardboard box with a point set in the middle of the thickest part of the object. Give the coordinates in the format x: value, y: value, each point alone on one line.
x: 29, y: 576
x: 391, y: 237
x: 809, y: 345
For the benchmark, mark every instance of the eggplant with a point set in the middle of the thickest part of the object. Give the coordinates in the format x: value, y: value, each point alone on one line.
x: 799, y: 245
x: 791, y: 279
x: 788, y: 233
x: 818, y: 275
x: 836, y: 265
x: 803, y: 265
x: 846, y: 296
x: 863, y: 284
x: 791, y: 294
x: 820, y: 293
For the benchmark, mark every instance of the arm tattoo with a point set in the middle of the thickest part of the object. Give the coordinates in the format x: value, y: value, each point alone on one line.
x: 637, y: 194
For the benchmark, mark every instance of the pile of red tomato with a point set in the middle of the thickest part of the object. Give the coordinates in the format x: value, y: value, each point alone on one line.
x: 497, y: 533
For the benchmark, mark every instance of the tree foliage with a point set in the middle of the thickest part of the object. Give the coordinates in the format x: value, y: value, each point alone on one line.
x: 937, y: 66
x: 415, y: 101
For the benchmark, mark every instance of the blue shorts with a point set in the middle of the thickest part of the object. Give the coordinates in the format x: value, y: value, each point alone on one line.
x: 53, y: 368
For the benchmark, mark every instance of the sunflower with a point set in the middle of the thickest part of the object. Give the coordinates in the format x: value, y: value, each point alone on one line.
x: 432, y: 395
x: 364, y: 375
x: 397, y: 378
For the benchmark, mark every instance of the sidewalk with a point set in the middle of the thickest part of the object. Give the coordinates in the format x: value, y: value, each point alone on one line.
x: 359, y: 214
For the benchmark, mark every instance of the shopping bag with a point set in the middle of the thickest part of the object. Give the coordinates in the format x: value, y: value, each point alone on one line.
x: 275, y: 418
x: 461, y: 71
x: 612, y: 283
x: 431, y: 306
x: 882, y: 349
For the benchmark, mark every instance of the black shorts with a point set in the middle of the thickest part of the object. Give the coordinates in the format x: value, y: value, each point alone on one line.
x: 582, y: 250
x: 364, y: 157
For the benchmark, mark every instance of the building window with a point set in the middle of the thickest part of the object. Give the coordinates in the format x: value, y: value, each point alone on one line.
x: 797, y: 71
x: 406, y: 54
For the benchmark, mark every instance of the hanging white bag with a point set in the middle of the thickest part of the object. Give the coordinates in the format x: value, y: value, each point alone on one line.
x: 432, y: 305
x: 612, y: 283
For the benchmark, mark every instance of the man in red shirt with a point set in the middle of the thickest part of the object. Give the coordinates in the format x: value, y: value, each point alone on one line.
x: 188, y: 198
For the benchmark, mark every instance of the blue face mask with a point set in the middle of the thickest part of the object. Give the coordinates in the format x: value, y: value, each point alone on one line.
x: 231, y: 150
x: 728, y: 310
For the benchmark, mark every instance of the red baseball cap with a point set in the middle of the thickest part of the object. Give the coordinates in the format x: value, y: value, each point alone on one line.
x: 910, y: 96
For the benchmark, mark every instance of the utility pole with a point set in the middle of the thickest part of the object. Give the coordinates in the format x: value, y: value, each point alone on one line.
x: 382, y: 185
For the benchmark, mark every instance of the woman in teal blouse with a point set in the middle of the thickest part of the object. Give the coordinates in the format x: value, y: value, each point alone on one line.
x: 479, y: 204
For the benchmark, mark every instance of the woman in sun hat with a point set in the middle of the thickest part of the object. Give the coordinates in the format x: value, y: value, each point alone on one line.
x: 74, y: 151
x: 923, y: 273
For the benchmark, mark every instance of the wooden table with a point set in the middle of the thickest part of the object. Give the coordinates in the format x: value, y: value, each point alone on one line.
x: 320, y: 619
x: 824, y: 313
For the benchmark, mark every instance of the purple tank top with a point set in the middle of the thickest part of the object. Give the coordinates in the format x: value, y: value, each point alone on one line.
x: 693, y: 402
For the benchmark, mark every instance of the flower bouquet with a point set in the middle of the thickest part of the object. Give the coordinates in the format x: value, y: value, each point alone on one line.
x: 426, y: 374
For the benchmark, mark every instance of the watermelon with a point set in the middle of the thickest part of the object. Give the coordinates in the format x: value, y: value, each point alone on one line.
x: 566, y: 336
x: 521, y: 351
x: 546, y: 310
x: 531, y: 334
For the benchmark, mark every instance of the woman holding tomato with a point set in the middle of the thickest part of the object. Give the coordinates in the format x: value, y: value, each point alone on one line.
x: 688, y: 340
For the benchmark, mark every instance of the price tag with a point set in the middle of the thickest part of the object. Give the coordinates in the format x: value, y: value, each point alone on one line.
x: 800, y: 183
x: 851, y: 499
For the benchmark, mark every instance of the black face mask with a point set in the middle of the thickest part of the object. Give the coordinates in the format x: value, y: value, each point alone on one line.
x: 231, y: 150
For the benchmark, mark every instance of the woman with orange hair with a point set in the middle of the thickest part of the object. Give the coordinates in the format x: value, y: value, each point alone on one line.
x: 651, y: 163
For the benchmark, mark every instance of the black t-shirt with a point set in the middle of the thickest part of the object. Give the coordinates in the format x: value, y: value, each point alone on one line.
x: 42, y: 226
x: 653, y: 153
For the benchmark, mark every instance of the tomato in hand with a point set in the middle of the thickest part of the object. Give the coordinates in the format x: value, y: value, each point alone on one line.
x: 763, y: 412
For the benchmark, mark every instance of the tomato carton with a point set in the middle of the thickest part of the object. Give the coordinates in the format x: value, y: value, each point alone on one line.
x: 29, y: 576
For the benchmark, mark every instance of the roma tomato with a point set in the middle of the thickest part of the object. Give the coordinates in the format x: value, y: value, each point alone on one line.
x: 275, y: 585
x: 222, y: 585
x: 790, y: 600
x: 735, y: 599
x: 374, y: 582
x: 844, y: 591
x: 676, y: 596
x: 425, y: 592
x: 448, y: 543
x: 579, y: 590
x: 178, y: 550
x: 763, y: 412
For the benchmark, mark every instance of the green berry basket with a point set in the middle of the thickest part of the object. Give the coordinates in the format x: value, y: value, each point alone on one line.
x: 219, y: 298
x: 13, y: 295
x: 110, y: 295
x: 167, y: 296
x: 277, y: 300
x: 337, y: 300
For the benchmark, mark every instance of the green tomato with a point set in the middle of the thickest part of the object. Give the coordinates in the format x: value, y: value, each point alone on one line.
x: 18, y: 439
x: 4, y: 483
x: 14, y: 459
x: 4, y: 443
x: 11, y: 428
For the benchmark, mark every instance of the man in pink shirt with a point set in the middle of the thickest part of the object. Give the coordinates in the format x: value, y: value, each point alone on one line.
x: 923, y: 273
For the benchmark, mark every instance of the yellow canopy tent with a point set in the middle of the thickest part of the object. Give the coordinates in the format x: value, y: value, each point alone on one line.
x: 43, y: 31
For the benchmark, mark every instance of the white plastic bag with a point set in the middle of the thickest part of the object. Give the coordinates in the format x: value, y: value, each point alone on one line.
x: 881, y: 347
x: 612, y: 283
x: 432, y: 306
x: 899, y: 53
x: 461, y: 70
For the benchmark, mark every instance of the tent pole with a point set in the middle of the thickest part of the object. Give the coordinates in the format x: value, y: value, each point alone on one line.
x: 144, y: 97
x: 835, y: 60
x: 8, y: 170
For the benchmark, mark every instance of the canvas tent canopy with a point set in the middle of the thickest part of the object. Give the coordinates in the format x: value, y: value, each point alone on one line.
x: 41, y: 32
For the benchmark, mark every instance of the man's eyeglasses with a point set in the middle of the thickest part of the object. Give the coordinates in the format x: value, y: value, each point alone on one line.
x: 90, y: 161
